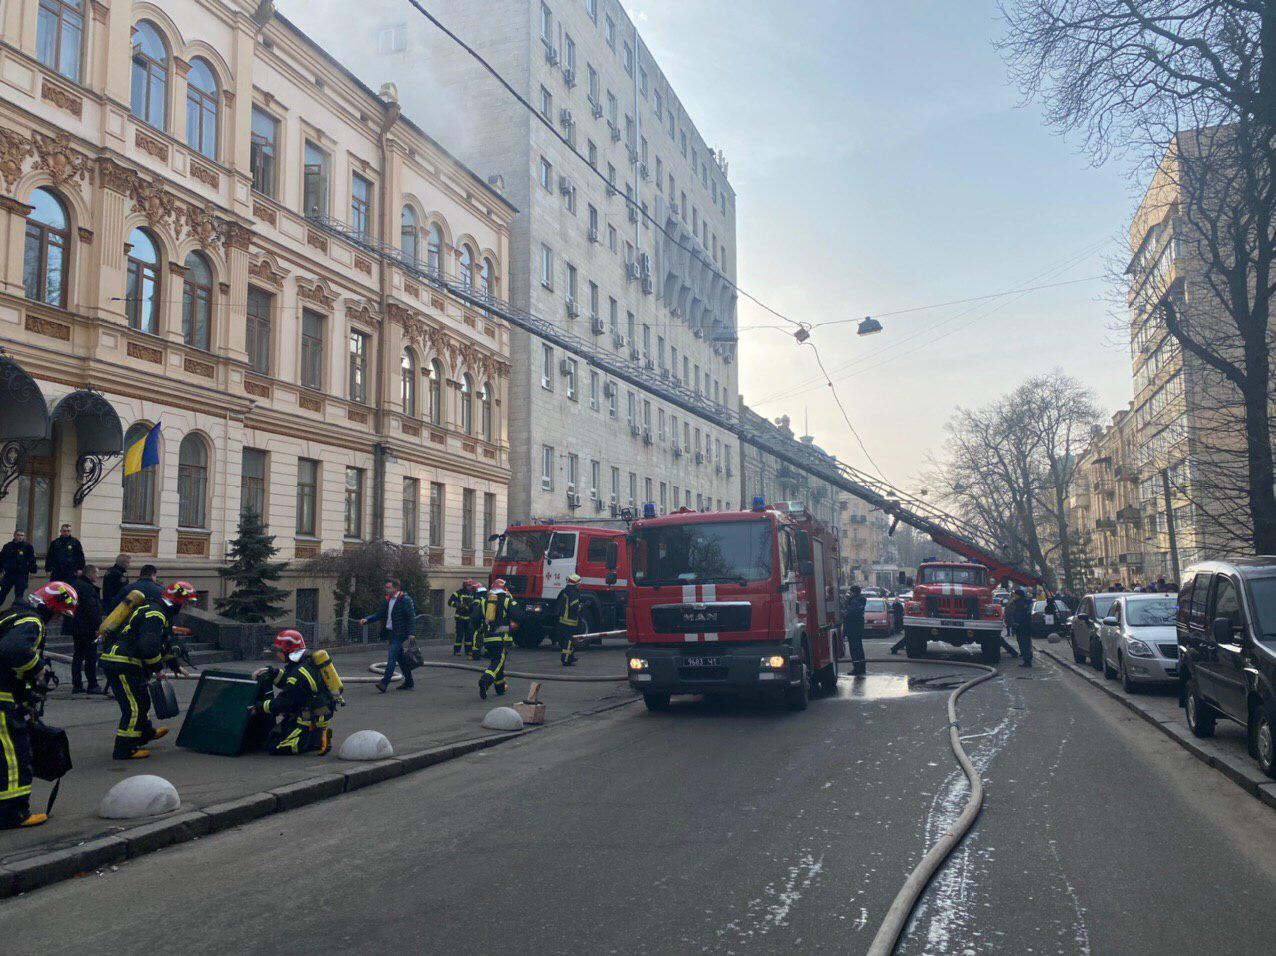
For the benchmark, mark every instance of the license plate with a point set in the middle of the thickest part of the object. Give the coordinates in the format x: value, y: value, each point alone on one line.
x: 703, y: 662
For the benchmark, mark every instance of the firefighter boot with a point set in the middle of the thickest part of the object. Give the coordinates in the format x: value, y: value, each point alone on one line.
x: 34, y: 820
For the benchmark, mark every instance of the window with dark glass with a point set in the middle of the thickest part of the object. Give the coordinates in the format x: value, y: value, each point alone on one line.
x: 59, y: 36
x: 485, y: 411
x: 436, y: 515
x: 354, y: 502
x: 436, y: 392
x: 141, y: 294
x: 44, y: 255
x: 192, y: 483
x: 361, y: 206
x: 201, y: 109
x: 411, y: 509
x: 358, y: 366
x: 307, y: 496
x: 409, y: 235
x: 149, y: 90
x: 434, y: 247
x: 466, y: 266
x: 258, y: 329
x: 314, y: 192
x: 489, y: 520
x: 312, y: 336
x: 467, y: 519
x: 252, y: 483
x: 467, y: 405
x: 197, y: 302
x: 407, y: 382
x: 264, y: 150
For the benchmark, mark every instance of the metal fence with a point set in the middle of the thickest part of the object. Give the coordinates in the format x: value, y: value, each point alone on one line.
x: 250, y: 641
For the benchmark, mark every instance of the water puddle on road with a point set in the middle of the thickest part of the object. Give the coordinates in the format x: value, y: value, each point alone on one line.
x: 885, y: 686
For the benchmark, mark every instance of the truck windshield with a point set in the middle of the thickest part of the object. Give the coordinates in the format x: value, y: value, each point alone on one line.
x: 1264, y: 591
x: 712, y: 551
x: 976, y: 576
x: 1152, y: 612
x: 523, y: 546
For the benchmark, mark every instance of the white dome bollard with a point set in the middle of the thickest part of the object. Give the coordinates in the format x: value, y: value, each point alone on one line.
x: 142, y: 796
x: 366, y: 745
x: 503, y: 718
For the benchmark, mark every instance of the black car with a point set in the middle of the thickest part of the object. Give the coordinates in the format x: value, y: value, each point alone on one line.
x: 1226, y: 626
x: 1058, y: 614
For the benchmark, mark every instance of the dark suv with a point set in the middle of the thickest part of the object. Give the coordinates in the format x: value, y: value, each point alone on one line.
x: 1226, y: 626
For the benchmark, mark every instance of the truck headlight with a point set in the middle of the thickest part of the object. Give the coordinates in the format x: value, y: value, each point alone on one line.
x: 775, y: 663
x: 637, y: 664
x: 1138, y: 648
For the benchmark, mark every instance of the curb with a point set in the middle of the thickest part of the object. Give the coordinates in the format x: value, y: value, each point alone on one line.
x: 1242, y: 773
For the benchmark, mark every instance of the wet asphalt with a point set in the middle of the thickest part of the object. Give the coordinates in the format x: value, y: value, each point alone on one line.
x: 728, y: 828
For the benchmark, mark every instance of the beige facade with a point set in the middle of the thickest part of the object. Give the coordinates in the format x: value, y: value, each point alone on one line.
x: 210, y: 224
x: 1104, y: 514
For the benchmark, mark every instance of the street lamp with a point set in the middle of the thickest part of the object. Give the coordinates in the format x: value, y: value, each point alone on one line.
x: 869, y: 326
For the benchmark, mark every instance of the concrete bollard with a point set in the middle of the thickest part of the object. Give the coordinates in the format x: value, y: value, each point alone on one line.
x: 366, y: 745
x: 142, y: 796
x: 503, y: 718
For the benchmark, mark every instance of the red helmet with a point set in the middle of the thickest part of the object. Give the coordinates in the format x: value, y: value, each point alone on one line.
x: 499, y: 583
x: 56, y: 597
x: 289, y: 642
x: 180, y: 593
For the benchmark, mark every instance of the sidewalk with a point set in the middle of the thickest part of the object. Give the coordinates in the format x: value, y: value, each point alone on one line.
x: 1226, y: 751
x: 444, y: 708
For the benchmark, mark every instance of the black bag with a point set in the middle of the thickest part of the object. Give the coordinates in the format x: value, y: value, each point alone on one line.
x: 50, y: 756
x: 163, y: 699
x: 411, y: 657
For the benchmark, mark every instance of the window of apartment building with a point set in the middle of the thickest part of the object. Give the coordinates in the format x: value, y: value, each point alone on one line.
x: 611, y: 401
x: 660, y: 351
x: 547, y: 468
x: 142, y: 291
x: 354, y: 503
x: 407, y: 383
x: 642, y: 81
x: 660, y: 175
x: 307, y: 497
x: 571, y: 379
x: 312, y: 336
x: 595, y: 477
x: 316, y: 175
x: 633, y: 488
x: 467, y: 404
x: 547, y: 104
x: 686, y: 370
x: 630, y: 329
x: 361, y: 206
x: 664, y: 498
x: 489, y: 520
x: 59, y: 36
x: 673, y: 359
x: 646, y: 340
x: 627, y: 57
x: 546, y: 175
x: 592, y: 152
x: 671, y: 122
x: 682, y: 137
x: 643, y: 151
x: 613, y: 109
x: 686, y: 435
x: 467, y: 519
x: 591, y: 7
x: 658, y: 104
x: 697, y: 379
x: 436, y: 514
x: 615, y: 483
x: 695, y: 221
x: 411, y: 510
x: 257, y: 329
x: 547, y: 268
x: 660, y: 422
x: 569, y: 55
x: 569, y: 199
x: 201, y: 109
x: 695, y: 164
x: 307, y: 607
x: 547, y: 24
x: 252, y: 483
x: 197, y: 302
x: 682, y: 205
x: 611, y: 237
x: 435, y: 372
x: 609, y: 31
x: 593, y: 389
x: 44, y: 254
x: 647, y: 489
x: 673, y: 429
x: 358, y: 366
x: 699, y: 501
x: 593, y: 300
x: 148, y: 99
x: 594, y: 88
x: 572, y: 284
x: 632, y: 414
x: 573, y: 471
x: 613, y: 313
x: 192, y: 482
x: 646, y: 415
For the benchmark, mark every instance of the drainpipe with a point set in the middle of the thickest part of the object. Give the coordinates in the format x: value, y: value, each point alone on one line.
x: 380, y: 451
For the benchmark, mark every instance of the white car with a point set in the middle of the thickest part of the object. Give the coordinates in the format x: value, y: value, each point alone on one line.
x: 1139, y: 642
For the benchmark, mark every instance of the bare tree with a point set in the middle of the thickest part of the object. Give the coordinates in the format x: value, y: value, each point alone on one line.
x: 1186, y: 88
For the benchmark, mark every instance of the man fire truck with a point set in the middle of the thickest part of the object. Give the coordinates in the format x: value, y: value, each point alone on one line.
x: 732, y: 602
x: 535, y: 561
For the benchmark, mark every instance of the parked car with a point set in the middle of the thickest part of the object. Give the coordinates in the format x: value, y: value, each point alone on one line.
x: 1226, y: 626
x: 873, y: 592
x: 1001, y: 596
x: 1139, y: 642
x: 1058, y: 616
x: 1084, y: 630
x: 905, y: 595
x: 877, y: 617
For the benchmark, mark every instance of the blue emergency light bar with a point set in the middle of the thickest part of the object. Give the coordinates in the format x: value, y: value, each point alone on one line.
x: 649, y: 509
x: 759, y: 503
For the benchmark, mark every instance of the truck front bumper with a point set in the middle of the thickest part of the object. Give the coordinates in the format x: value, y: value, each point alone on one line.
x: 947, y: 629
x: 709, y: 668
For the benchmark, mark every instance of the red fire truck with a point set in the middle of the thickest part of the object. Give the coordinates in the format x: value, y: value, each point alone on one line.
x: 535, y: 560
x: 732, y: 602
x: 952, y: 601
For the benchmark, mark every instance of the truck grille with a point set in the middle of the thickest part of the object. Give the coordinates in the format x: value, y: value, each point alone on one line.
x: 516, y: 584
x: 703, y: 619
x: 958, y: 607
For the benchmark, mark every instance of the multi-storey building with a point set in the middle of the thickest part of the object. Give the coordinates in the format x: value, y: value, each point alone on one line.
x: 210, y: 224
x: 1103, y: 505
x: 629, y: 246
x: 763, y: 474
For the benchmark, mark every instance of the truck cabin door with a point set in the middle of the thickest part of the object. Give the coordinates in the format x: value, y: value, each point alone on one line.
x: 788, y: 581
x: 560, y: 561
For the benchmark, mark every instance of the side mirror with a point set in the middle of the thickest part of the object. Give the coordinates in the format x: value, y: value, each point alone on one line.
x: 610, y: 579
x: 612, y: 559
x: 1222, y: 630
x: 1110, y: 622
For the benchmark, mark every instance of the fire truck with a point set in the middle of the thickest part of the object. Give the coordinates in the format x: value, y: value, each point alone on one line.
x: 535, y: 561
x: 952, y: 601
x: 732, y: 602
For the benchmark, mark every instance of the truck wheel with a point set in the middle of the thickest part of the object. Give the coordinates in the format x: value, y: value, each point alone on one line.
x: 990, y: 648
x: 656, y: 702
x: 1200, y: 715
x: 798, y: 695
x: 914, y: 643
x: 589, y: 621
x: 826, y: 678
x: 528, y: 636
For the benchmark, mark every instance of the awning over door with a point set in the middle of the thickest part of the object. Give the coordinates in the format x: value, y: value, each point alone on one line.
x: 98, y: 435
x: 24, y: 420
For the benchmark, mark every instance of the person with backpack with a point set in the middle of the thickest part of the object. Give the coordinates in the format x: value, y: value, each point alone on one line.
x: 568, y: 620
x: 24, y: 674
x: 399, y: 615
x: 460, y: 601
x: 498, y: 611
x: 303, y: 705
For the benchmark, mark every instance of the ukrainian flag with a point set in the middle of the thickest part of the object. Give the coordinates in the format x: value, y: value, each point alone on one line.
x: 143, y: 453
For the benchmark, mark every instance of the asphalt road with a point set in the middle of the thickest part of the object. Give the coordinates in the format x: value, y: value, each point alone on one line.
x: 731, y: 829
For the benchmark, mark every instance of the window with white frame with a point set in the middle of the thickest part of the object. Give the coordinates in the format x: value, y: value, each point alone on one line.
x: 547, y: 267
x: 547, y: 367
x: 547, y: 467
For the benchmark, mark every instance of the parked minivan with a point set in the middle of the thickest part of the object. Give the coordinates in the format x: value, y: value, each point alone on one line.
x: 1226, y: 627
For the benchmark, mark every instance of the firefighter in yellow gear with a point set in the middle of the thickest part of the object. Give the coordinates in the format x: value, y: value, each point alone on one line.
x: 477, y: 628
x: 24, y: 677
x: 140, y: 649
x: 569, y: 620
x: 498, y: 610
x: 460, y: 601
x: 304, y: 703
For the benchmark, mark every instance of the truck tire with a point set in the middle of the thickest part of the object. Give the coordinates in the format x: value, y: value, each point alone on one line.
x: 826, y: 678
x: 528, y: 636
x: 990, y: 648
x: 798, y: 695
x: 656, y: 702
x: 914, y: 642
x: 589, y: 620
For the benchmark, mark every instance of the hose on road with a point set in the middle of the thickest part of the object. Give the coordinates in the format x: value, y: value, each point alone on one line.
x: 379, y: 668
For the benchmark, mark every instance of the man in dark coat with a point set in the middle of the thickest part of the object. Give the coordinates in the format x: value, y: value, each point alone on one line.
x: 399, y: 615
x: 853, y: 629
x: 1019, y: 616
x: 65, y: 558
x: 115, y: 583
x: 83, y: 627
x: 17, y: 563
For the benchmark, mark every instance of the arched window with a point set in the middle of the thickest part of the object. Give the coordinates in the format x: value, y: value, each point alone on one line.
x: 434, y: 248
x: 467, y: 265
x: 408, y: 384
x: 467, y: 405
x: 486, y: 276
x: 139, y: 488
x: 197, y: 302
x: 141, y: 295
x: 436, y: 392
x: 59, y: 36
x: 44, y: 258
x: 485, y: 411
x: 149, y: 94
x: 201, y: 109
x: 192, y: 483
x: 410, y: 239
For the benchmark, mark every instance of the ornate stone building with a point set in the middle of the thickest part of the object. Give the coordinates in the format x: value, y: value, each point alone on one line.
x: 207, y: 222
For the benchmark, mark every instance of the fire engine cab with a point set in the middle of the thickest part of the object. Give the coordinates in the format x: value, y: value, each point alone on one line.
x: 535, y: 561
x: 732, y: 602
x: 952, y: 602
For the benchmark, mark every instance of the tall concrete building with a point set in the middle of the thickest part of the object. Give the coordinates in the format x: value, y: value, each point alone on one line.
x: 656, y: 292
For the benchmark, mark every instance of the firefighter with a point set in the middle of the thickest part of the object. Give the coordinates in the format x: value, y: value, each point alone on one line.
x: 569, y: 620
x: 304, y: 704
x: 498, y: 608
x: 477, y: 626
x: 141, y: 648
x: 24, y: 678
x: 460, y: 601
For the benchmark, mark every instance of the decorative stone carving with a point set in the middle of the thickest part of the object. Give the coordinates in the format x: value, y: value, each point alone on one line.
x: 196, y: 367
x: 361, y: 311
x: 62, y: 98
x: 151, y: 146
x: 100, y: 11
x: 111, y: 175
x: 14, y: 150
x: 206, y: 176
x: 256, y: 388
x: 238, y: 236
x: 363, y: 265
x: 42, y: 326
x: 265, y: 213
x: 145, y: 352
x: 409, y: 429
x: 63, y: 163
x: 316, y: 292
x: 412, y: 289
x: 203, y: 225
x: 265, y: 270
x: 311, y: 404
x: 86, y: 235
x: 306, y: 549
x: 358, y: 417
x: 153, y: 201
x: 316, y: 241
x: 192, y: 545
x: 19, y: 209
x: 139, y: 544
x: 436, y: 303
